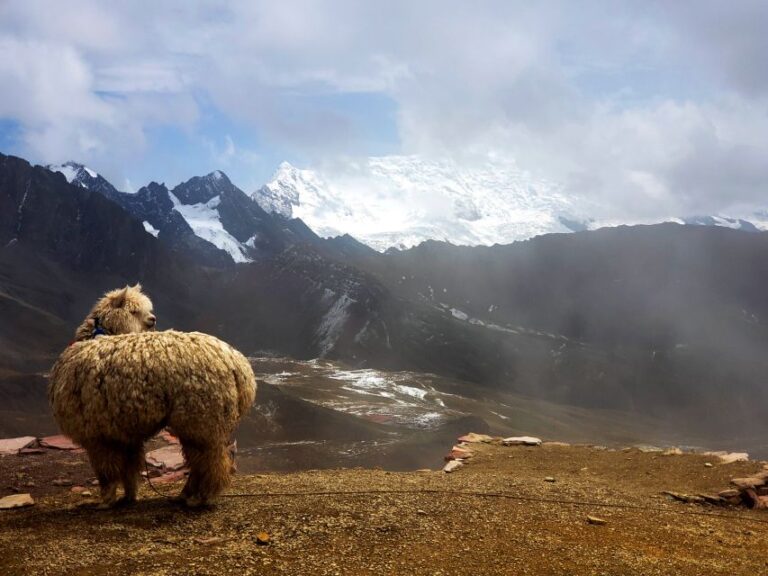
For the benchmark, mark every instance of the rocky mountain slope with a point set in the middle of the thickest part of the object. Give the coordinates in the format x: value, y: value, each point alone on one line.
x: 663, y: 320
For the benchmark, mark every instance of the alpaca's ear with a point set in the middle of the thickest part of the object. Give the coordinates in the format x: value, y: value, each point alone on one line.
x: 137, y: 287
x: 117, y: 299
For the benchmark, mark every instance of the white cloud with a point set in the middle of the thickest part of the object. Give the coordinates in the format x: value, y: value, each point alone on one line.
x: 650, y: 108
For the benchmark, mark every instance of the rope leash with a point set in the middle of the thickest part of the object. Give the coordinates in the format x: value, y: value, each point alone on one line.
x: 152, y: 486
x: 501, y: 495
x: 475, y: 494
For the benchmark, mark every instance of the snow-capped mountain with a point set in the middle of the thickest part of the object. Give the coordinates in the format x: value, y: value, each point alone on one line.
x: 404, y: 200
x: 206, y: 216
x: 82, y: 176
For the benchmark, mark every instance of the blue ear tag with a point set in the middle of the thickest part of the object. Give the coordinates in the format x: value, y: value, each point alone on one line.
x: 98, y: 331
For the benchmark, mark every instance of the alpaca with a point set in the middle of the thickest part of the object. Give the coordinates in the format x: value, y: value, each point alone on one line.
x: 120, y: 382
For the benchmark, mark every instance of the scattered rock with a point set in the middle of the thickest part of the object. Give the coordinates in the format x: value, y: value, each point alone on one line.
x: 549, y: 479
x: 521, y: 441
x: 86, y: 493
x: 167, y: 457
x: 262, y: 539
x: 730, y: 493
x: 458, y: 452
x: 170, y: 477
x: 473, y: 438
x: 687, y: 498
x: 62, y: 482
x: 672, y: 452
x: 712, y: 499
x: 16, y: 501
x: 452, y: 466
x: 13, y: 445
x: 209, y: 541
x: 78, y: 489
x: 708, y: 464
x: 596, y: 521
x: 647, y: 448
x: 422, y: 512
x: 59, y: 442
x: 728, y: 457
x: 749, y: 482
x: 30, y: 451
x: 559, y: 444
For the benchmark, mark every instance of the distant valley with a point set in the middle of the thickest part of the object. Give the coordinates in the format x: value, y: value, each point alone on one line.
x: 664, y: 322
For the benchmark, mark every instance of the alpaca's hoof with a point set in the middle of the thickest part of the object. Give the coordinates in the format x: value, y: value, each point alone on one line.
x: 125, y: 501
x: 195, y: 502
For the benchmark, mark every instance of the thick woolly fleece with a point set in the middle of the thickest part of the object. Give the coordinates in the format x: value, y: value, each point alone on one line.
x: 112, y: 393
x: 126, y: 386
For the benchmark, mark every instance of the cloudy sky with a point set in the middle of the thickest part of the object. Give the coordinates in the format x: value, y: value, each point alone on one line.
x: 652, y: 108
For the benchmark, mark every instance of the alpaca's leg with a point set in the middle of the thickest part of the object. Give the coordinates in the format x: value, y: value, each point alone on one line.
x: 133, y: 463
x: 209, y: 474
x: 107, y: 461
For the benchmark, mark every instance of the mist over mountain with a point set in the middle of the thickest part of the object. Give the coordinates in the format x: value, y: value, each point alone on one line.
x: 664, y: 320
x: 402, y: 201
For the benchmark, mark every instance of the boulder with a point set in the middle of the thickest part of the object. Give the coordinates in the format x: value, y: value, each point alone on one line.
x: 452, y: 466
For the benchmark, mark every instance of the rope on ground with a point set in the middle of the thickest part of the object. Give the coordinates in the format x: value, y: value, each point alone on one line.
x: 500, y: 495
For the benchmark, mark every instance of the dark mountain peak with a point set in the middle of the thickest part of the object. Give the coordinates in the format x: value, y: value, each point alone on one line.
x: 83, y: 177
x: 201, y: 189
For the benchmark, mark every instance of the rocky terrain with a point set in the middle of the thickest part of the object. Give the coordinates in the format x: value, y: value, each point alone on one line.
x: 548, y: 509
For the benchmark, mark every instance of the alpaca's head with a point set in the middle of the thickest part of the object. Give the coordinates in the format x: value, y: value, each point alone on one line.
x: 120, y: 311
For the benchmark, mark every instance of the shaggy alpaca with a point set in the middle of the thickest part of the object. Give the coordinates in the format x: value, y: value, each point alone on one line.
x: 112, y: 393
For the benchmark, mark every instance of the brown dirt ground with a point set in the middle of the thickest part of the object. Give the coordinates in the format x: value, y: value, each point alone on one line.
x: 414, y: 533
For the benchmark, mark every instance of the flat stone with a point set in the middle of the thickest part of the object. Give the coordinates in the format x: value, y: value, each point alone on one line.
x: 687, y: 498
x: 749, y: 482
x: 473, y: 438
x: 262, y: 538
x: 549, y: 479
x: 167, y: 457
x: 62, y: 482
x: 16, y: 501
x: 712, y: 499
x: 78, y: 489
x: 59, y: 442
x: 13, y: 445
x: 556, y: 444
x: 31, y: 451
x: 672, y: 452
x: 521, y: 441
x: 730, y: 493
x: 458, y: 452
x: 452, y: 466
x: 170, y: 477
